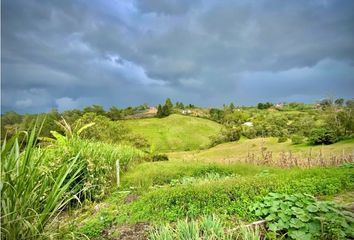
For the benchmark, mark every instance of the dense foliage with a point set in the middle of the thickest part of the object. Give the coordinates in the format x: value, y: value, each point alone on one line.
x: 301, y: 216
x: 37, y: 183
x: 293, y: 120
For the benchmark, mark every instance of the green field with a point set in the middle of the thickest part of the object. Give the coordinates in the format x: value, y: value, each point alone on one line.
x: 175, y: 132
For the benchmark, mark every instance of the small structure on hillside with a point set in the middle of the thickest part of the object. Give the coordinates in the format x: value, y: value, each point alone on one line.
x: 279, y: 105
x: 152, y: 110
x: 248, y: 124
x: 186, y: 111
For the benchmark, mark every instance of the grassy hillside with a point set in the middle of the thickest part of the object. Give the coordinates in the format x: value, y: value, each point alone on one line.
x: 238, y: 151
x: 175, y: 132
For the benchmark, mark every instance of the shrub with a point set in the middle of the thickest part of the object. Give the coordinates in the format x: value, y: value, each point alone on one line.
x: 282, y: 139
x: 297, y: 139
x: 228, y: 135
x: 159, y: 157
x: 300, y: 216
x: 98, y: 160
x: 322, y: 136
x: 249, y: 132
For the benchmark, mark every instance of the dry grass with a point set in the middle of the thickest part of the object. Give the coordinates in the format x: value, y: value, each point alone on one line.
x: 266, y: 151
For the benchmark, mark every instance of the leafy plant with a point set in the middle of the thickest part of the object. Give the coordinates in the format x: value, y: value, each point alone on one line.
x: 208, y: 228
x: 300, y: 216
x: 69, y: 133
x: 99, y: 163
x: 31, y: 193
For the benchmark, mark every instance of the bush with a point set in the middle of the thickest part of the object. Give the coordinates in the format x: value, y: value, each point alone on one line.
x: 300, y: 216
x: 98, y: 161
x: 322, y: 136
x: 159, y: 157
x: 249, y: 132
x: 282, y: 139
x: 297, y: 139
x: 228, y: 135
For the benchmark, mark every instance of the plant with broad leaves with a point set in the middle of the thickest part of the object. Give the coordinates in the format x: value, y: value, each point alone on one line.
x: 301, y: 216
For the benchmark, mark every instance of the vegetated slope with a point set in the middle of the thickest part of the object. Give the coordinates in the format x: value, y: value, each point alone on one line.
x: 238, y: 151
x: 172, y: 190
x: 175, y: 132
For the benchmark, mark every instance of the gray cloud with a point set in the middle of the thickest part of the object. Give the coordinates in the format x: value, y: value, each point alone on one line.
x: 67, y: 54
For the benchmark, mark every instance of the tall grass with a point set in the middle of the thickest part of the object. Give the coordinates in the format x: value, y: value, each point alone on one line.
x: 206, y: 228
x: 98, y: 160
x: 31, y: 194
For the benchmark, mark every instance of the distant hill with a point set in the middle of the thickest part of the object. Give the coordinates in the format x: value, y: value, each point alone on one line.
x: 175, y: 132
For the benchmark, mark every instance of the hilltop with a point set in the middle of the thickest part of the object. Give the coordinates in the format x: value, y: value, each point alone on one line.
x: 175, y: 132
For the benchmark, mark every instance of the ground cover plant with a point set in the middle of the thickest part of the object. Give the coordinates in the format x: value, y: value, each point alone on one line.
x: 301, y: 216
x: 233, y: 196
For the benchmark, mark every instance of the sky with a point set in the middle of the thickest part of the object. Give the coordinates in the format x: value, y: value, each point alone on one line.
x: 73, y: 53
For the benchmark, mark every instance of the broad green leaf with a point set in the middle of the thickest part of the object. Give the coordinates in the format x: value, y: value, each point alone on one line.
x: 271, y: 217
x: 296, y: 223
x: 303, y: 217
x: 312, y: 208
x: 300, y: 235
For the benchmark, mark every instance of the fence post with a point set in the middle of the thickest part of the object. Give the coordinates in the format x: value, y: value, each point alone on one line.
x: 118, y: 176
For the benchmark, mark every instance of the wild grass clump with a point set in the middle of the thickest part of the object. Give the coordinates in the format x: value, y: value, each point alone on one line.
x: 99, y: 163
x: 208, y: 228
x: 31, y: 193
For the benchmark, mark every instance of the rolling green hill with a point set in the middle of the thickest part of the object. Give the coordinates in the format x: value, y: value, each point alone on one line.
x: 175, y: 132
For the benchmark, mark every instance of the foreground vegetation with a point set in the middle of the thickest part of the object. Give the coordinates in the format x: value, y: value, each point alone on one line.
x: 203, y: 176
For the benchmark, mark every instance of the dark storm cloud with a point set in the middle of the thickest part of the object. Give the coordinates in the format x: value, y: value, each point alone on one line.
x: 68, y: 54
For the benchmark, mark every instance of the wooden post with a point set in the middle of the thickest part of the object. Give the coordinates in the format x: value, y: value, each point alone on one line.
x: 118, y: 176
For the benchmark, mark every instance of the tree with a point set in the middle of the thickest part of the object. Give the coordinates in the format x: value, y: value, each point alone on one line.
x: 159, y: 111
x: 326, y: 103
x: 322, y: 136
x: 339, y: 102
x: 216, y: 114
x: 232, y: 106
x: 104, y: 129
x: 99, y: 110
x: 114, y: 113
x: 264, y: 105
x: 169, y: 103
x: 165, y: 110
x: 179, y: 105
